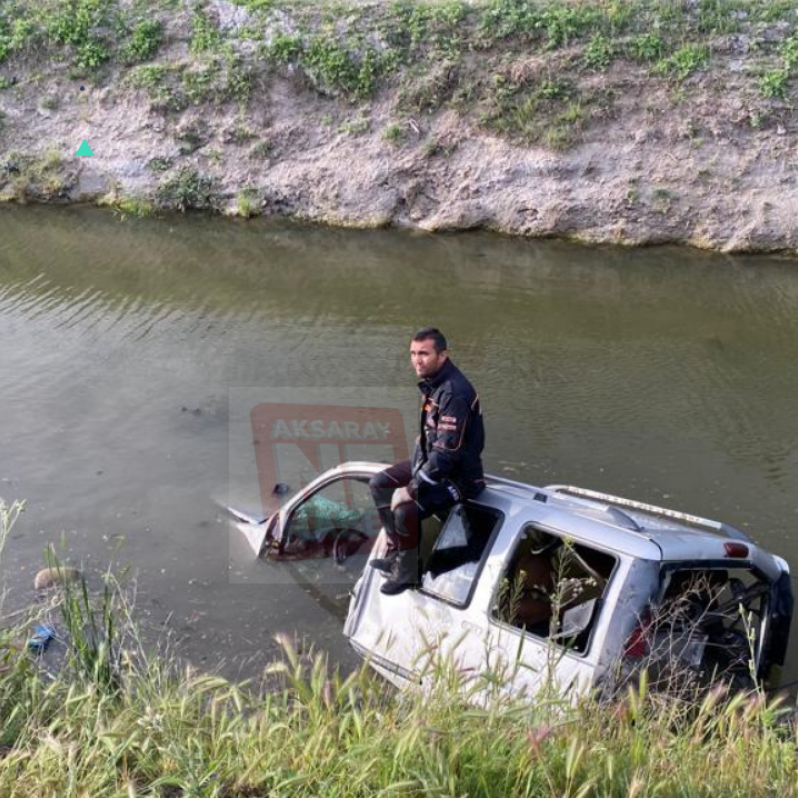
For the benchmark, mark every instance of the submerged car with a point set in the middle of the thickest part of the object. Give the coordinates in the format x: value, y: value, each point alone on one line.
x: 558, y: 584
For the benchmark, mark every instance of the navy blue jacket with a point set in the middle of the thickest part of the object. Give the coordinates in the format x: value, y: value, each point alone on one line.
x: 452, y: 435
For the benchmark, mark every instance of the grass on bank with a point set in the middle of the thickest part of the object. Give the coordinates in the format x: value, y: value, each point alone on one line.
x: 351, y: 51
x: 38, y: 175
x: 541, y: 73
x: 115, y: 721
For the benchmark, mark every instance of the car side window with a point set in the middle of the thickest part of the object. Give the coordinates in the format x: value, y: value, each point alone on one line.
x: 552, y: 588
x: 453, y: 566
x: 344, y: 506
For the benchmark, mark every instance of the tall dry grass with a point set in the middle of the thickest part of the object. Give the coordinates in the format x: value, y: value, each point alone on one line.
x: 178, y: 732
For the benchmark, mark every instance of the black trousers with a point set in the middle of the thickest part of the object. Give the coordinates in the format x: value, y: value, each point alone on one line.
x: 402, y: 525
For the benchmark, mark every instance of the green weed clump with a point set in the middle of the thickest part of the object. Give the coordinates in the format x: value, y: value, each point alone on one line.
x: 718, y: 16
x: 551, y: 112
x: 415, y: 29
x: 260, y: 151
x: 331, y: 67
x: 599, y: 53
x: 428, y: 92
x: 43, y: 175
x: 256, y: 5
x: 789, y: 52
x: 92, y: 54
x: 132, y: 206
x: 79, y: 23
x: 145, y: 40
x: 247, y: 203
x: 684, y: 61
x: 774, y: 84
x: 18, y: 32
x: 217, y: 79
x: 204, y: 33
x: 186, y: 190
x: 393, y: 133
x: 161, y: 84
x: 76, y: 20
x: 647, y: 47
x: 555, y: 24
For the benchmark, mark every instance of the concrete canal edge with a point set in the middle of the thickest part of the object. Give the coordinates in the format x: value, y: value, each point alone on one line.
x: 453, y: 117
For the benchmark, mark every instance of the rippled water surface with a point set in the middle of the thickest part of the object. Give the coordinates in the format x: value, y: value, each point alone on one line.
x: 666, y: 375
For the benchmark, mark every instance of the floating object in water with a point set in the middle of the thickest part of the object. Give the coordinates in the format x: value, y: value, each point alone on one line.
x: 49, y: 577
x: 42, y: 635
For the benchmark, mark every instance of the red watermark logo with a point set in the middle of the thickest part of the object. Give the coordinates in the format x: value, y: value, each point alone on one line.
x: 296, y: 443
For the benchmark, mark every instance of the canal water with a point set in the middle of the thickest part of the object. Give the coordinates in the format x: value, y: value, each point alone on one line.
x: 666, y: 375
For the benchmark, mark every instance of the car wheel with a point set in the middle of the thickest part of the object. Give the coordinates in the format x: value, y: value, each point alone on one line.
x: 347, y: 545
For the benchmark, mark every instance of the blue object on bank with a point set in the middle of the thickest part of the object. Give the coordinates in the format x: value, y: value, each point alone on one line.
x: 42, y: 635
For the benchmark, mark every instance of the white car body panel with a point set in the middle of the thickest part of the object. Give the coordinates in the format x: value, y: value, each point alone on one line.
x: 403, y: 635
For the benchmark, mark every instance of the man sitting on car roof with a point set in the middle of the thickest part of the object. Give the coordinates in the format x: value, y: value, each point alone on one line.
x: 446, y: 466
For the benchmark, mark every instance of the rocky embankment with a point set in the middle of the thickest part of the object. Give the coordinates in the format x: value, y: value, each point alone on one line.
x: 633, y: 123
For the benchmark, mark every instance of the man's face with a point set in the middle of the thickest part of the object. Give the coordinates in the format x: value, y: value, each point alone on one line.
x: 425, y: 359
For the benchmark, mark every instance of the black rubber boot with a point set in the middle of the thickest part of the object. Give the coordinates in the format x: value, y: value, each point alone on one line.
x: 385, y: 564
x: 404, y: 573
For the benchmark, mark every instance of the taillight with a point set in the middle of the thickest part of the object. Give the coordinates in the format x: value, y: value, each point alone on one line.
x: 637, y: 642
x: 734, y: 549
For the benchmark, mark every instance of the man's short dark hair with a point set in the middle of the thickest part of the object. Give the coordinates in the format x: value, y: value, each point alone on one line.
x: 438, y: 338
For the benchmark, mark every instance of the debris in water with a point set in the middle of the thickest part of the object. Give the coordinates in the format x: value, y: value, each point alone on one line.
x: 49, y: 577
x: 42, y: 635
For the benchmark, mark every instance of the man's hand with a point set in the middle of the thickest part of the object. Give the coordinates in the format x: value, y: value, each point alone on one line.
x: 400, y: 496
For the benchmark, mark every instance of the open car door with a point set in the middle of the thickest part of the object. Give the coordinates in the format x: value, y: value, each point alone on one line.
x: 334, y: 517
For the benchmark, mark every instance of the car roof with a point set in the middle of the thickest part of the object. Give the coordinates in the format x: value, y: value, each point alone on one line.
x: 612, y: 522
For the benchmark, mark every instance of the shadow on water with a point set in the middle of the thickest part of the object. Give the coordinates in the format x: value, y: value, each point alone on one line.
x: 664, y: 374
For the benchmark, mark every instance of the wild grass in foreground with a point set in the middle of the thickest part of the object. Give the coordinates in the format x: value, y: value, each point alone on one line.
x: 115, y: 722
x: 171, y: 732
x: 183, y: 733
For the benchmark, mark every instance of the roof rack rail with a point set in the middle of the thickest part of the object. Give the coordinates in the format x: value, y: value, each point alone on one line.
x: 619, y: 516
x: 653, y: 509
x: 624, y: 519
x: 511, y: 483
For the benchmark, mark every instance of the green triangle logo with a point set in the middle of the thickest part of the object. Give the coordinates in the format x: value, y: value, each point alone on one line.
x: 84, y: 150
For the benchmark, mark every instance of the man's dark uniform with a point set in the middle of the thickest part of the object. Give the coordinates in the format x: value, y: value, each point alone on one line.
x: 446, y: 466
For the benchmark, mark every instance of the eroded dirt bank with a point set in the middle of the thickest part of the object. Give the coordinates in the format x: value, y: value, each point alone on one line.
x: 550, y: 120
